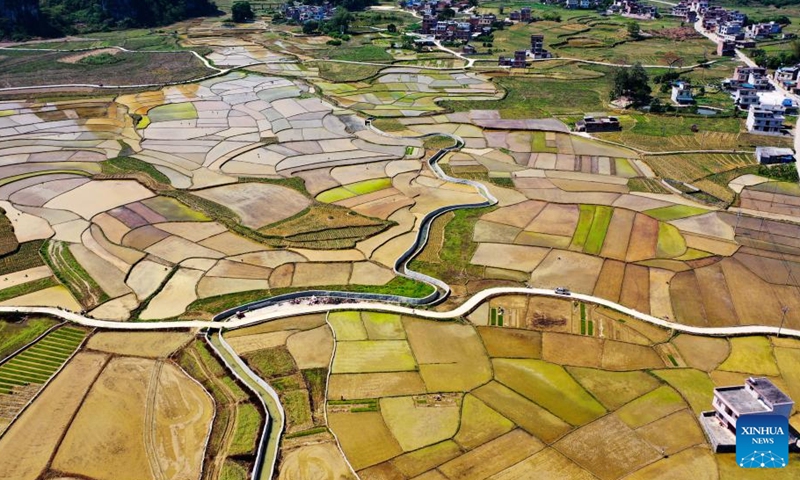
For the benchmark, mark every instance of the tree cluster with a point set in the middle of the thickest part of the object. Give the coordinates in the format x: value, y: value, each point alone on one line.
x: 788, y: 57
x: 242, y: 12
x: 338, y: 25
x: 632, y: 83
x: 24, y: 18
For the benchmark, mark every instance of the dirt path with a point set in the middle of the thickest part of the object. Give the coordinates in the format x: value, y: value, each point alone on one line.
x: 150, y: 420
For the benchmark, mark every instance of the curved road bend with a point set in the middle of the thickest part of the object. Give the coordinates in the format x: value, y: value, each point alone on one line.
x: 288, y: 310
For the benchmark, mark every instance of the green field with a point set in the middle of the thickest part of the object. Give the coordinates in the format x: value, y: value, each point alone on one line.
x: 248, y: 424
x: 597, y: 232
x: 537, y: 97
x: 353, y: 189
x: 674, y: 212
x: 39, y: 362
x: 551, y: 387
x: 14, y: 335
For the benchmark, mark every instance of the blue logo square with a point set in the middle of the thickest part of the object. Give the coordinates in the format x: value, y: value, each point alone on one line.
x: 762, y: 441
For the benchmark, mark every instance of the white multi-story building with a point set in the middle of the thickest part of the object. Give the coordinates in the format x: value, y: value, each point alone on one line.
x: 758, y: 396
x: 764, y: 121
x: 744, y: 97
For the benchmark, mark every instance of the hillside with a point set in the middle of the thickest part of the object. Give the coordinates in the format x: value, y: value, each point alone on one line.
x: 24, y: 18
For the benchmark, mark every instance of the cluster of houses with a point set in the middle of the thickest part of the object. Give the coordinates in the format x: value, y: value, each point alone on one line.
x: 462, y: 30
x: 574, y: 4
x: 626, y: 8
x: 730, y: 25
x: 302, y: 13
x: 520, y: 58
x: 752, y: 91
x: 521, y: 15
x: 433, y: 7
x: 633, y: 9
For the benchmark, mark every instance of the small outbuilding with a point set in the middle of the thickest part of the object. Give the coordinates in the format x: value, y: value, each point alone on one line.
x: 770, y: 155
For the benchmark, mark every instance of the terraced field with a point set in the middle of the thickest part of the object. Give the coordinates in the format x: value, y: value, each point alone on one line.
x: 22, y: 376
x: 36, y: 364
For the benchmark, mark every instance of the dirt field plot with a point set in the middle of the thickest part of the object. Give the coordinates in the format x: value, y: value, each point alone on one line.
x: 30, y: 441
x: 534, y: 419
x: 703, y: 353
x: 375, y: 385
x: 141, y: 344
x: 551, y: 387
x: 364, y: 437
x: 415, y: 424
x: 548, y: 463
x: 614, y: 389
x: 673, y: 433
x: 511, y: 343
x: 313, y: 461
x: 608, y: 448
x: 151, y: 403
x: 247, y: 201
x: 751, y: 355
x: 650, y: 407
x: 451, y: 356
x: 492, y: 457
x: 480, y: 424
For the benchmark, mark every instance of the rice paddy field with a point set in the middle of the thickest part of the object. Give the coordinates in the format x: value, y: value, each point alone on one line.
x: 546, y: 400
x: 297, y: 170
x: 133, y: 390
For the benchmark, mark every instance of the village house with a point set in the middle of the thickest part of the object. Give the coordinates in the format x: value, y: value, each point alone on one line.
x: 633, y: 9
x: 518, y: 61
x: 745, y: 96
x: 758, y: 396
x: 762, y: 31
x: 302, y: 13
x: 772, y: 155
x: 682, y: 93
x: 537, y: 47
x: 764, y: 121
x: 726, y: 48
x: 597, y: 123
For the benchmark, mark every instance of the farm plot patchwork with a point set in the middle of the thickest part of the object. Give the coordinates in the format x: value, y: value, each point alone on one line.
x: 398, y: 92
x: 386, y: 428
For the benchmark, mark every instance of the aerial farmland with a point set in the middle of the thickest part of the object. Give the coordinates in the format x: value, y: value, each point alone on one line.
x: 402, y: 241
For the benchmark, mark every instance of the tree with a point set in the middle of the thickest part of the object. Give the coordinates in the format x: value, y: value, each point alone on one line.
x: 634, y: 30
x: 391, y: 28
x: 340, y: 22
x: 242, y: 12
x: 632, y: 83
x: 447, y: 14
x: 310, y: 27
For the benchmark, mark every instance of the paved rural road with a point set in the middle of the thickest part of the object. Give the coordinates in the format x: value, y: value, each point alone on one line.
x: 288, y: 310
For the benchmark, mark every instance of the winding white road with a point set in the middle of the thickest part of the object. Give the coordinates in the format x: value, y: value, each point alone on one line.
x: 288, y: 310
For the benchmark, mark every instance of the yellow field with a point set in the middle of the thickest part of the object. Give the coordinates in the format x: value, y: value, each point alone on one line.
x: 141, y: 344
x: 364, y: 437
x: 373, y: 356
x: 127, y: 425
x: 480, y: 423
x: 31, y: 442
x: 416, y: 426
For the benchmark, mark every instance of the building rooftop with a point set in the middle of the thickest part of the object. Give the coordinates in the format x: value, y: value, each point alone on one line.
x: 762, y: 385
x: 741, y: 400
x: 775, y: 152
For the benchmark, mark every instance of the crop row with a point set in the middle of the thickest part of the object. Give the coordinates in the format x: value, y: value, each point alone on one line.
x: 39, y: 362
